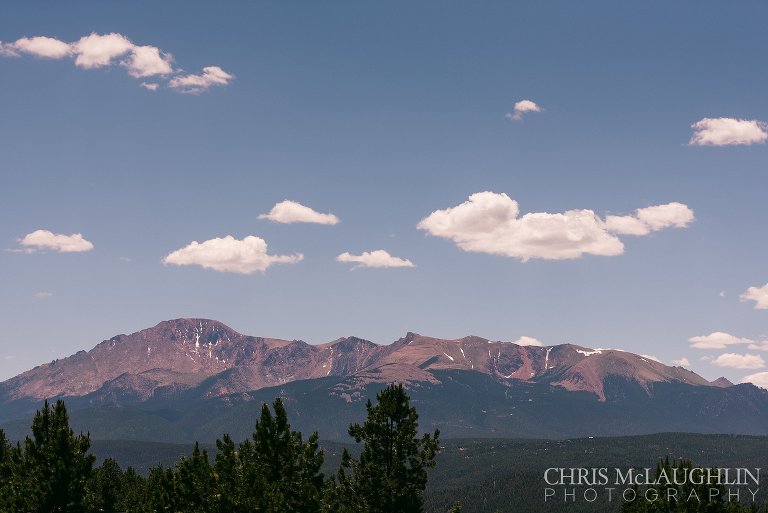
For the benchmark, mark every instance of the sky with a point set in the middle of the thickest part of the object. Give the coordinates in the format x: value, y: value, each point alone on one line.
x: 589, y: 173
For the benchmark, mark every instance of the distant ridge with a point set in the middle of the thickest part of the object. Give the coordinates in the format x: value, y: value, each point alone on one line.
x: 182, y: 364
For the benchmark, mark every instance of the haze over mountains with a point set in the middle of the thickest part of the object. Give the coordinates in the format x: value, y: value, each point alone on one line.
x: 196, y: 378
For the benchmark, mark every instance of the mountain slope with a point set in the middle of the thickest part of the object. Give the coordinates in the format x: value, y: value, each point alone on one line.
x: 203, y: 378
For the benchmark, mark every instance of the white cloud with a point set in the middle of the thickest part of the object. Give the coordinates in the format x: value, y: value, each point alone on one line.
x: 488, y: 223
x: 211, y: 76
x: 759, y: 346
x: 650, y: 357
x: 728, y: 131
x: 651, y: 219
x: 626, y: 225
x: 228, y: 254
x: 527, y: 341
x: 682, y: 362
x: 757, y: 294
x: 43, y: 295
x: 739, y: 361
x: 378, y: 258
x: 148, y: 61
x: 44, y: 239
x: 40, y: 46
x: 717, y: 340
x: 759, y: 379
x: 521, y: 108
x: 152, y: 86
x: 99, y: 50
x: 288, y: 212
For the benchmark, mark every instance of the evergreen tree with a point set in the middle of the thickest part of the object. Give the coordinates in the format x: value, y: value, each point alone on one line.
x: 5, y: 471
x: 193, y: 483
x: 105, y: 490
x: 50, y: 472
x: 228, y: 471
x: 391, y: 473
x: 134, y: 492
x: 281, y: 472
x: 160, y: 494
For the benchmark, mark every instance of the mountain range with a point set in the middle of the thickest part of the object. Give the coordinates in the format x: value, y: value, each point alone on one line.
x: 188, y: 379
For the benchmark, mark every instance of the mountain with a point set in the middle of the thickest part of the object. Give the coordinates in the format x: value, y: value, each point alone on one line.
x: 722, y: 382
x: 195, y: 377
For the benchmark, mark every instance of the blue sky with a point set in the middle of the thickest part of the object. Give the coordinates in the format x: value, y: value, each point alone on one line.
x: 381, y: 114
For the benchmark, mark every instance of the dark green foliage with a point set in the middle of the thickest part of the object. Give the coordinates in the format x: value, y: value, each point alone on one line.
x: 276, y: 471
x: 160, y: 492
x: 228, y: 470
x: 281, y: 472
x: 390, y: 474
x: 134, y: 491
x: 105, y: 489
x: 50, y: 471
x: 5, y: 469
x: 193, y: 483
x: 273, y: 472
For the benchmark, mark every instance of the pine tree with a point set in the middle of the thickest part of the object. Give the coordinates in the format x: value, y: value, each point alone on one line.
x: 106, y: 489
x: 281, y: 472
x: 50, y: 472
x: 193, y: 482
x: 134, y: 492
x: 391, y: 473
x: 228, y: 471
x: 5, y: 471
x: 160, y: 493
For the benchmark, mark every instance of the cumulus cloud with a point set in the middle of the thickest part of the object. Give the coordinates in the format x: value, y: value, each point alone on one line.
x: 739, y: 361
x: 99, y: 50
x: 148, y: 61
x: 45, y: 240
x: 488, y: 223
x: 521, y: 108
x: 757, y: 294
x: 759, y: 379
x: 378, y: 258
x: 194, y: 84
x: 40, y: 46
x: 651, y: 219
x: 650, y: 357
x: 43, y: 295
x: 288, y: 212
x: 102, y: 50
x: 231, y: 255
x: 717, y: 340
x: 682, y: 362
x: 728, y: 132
x: 527, y: 341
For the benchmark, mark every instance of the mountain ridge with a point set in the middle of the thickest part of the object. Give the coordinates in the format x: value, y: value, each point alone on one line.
x: 184, y: 353
x: 197, y: 378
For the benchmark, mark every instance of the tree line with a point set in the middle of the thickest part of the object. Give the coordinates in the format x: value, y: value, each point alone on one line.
x: 274, y: 471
